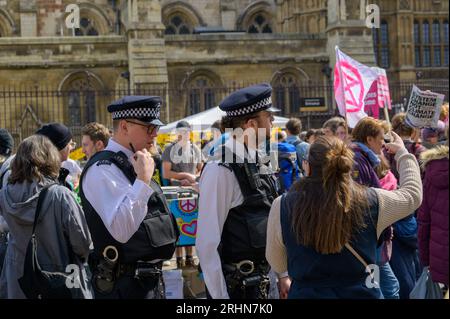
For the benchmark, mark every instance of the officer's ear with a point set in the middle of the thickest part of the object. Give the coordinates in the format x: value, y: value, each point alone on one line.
x: 99, y: 145
x: 123, y: 125
x: 251, y: 123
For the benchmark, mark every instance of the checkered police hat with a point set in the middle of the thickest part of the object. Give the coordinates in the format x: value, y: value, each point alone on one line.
x: 146, y: 109
x: 249, y: 100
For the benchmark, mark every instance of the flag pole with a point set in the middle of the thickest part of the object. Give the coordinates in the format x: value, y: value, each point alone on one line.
x: 386, y: 113
x: 342, y: 82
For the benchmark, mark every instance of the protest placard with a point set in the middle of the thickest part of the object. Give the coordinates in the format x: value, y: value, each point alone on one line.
x: 424, y: 108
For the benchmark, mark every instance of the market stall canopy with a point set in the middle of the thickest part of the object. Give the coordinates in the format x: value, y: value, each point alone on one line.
x: 202, y: 121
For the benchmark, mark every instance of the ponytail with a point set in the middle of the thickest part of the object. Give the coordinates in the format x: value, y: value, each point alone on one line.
x: 330, y: 206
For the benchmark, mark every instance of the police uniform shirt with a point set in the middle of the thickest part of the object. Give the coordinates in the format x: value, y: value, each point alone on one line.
x: 219, y: 193
x: 121, y: 206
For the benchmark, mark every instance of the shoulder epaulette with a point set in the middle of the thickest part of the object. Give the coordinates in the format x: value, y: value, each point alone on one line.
x: 104, y: 162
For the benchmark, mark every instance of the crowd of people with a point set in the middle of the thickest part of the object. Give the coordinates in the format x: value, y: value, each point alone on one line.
x: 308, y: 212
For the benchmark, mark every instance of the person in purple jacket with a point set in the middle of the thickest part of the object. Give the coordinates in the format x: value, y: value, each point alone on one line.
x: 368, y: 141
x: 433, y: 216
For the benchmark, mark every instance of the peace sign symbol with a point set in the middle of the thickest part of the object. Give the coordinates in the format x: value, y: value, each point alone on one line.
x: 188, y: 205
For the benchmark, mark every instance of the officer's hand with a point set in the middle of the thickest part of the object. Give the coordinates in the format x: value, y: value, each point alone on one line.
x: 395, y: 145
x: 143, y: 165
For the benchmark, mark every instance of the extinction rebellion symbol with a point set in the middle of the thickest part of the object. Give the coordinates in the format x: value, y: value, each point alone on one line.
x: 353, y: 86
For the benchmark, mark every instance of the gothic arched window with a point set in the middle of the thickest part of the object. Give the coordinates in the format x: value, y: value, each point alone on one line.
x: 260, y: 23
x: 287, y: 93
x: 178, y: 24
x: 82, y: 93
x: 87, y: 27
x: 202, y: 95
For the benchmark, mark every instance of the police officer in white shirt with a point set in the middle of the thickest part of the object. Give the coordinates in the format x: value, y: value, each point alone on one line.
x: 236, y: 193
x: 128, y: 217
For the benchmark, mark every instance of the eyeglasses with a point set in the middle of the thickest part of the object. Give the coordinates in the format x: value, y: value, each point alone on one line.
x: 150, y: 128
x: 268, y: 114
x: 73, y: 144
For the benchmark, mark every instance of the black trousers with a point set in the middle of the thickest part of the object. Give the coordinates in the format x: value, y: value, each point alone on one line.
x: 129, y: 287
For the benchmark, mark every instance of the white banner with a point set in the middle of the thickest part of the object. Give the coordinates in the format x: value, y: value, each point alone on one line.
x: 424, y: 108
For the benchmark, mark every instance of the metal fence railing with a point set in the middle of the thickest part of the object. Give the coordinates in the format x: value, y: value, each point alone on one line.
x: 23, y: 110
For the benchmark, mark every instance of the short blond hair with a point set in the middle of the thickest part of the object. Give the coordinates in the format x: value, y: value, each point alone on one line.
x: 96, y: 132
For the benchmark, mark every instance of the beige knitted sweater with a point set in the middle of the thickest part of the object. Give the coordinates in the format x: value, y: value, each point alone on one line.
x: 393, y: 206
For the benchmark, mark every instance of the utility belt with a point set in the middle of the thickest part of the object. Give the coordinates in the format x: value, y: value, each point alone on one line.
x: 246, y: 274
x: 107, y: 270
x: 140, y: 269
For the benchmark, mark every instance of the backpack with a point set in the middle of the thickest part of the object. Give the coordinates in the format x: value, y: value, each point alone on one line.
x: 289, y: 170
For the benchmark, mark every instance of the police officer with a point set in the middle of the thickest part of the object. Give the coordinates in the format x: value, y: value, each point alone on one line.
x: 236, y: 193
x: 132, y: 229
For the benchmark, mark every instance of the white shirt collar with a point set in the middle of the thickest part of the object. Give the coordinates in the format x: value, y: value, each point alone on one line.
x: 116, y: 147
x: 239, y: 149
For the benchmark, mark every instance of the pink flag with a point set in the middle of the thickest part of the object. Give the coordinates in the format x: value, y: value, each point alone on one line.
x: 378, y: 95
x: 384, y: 96
x: 371, y: 106
x: 352, y: 81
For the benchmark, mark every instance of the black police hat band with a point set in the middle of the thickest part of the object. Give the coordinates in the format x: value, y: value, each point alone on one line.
x: 263, y: 104
x: 137, y: 113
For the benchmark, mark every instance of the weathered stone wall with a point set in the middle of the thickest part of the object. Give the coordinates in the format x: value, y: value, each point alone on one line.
x: 37, y: 51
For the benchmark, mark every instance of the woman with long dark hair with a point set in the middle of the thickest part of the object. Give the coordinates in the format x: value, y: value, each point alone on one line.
x: 324, y: 232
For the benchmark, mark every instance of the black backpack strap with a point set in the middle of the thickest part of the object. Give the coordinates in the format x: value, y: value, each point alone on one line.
x: 107, y: 158
x: 41, y: 198
x: 238, y: 169
x: 102, y: 157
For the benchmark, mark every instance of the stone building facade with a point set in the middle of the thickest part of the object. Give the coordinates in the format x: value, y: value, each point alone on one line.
x: 194, y: 52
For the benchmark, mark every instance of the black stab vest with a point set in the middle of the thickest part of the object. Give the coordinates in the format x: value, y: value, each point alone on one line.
x: 244, y: 231
x: 156, y: 236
